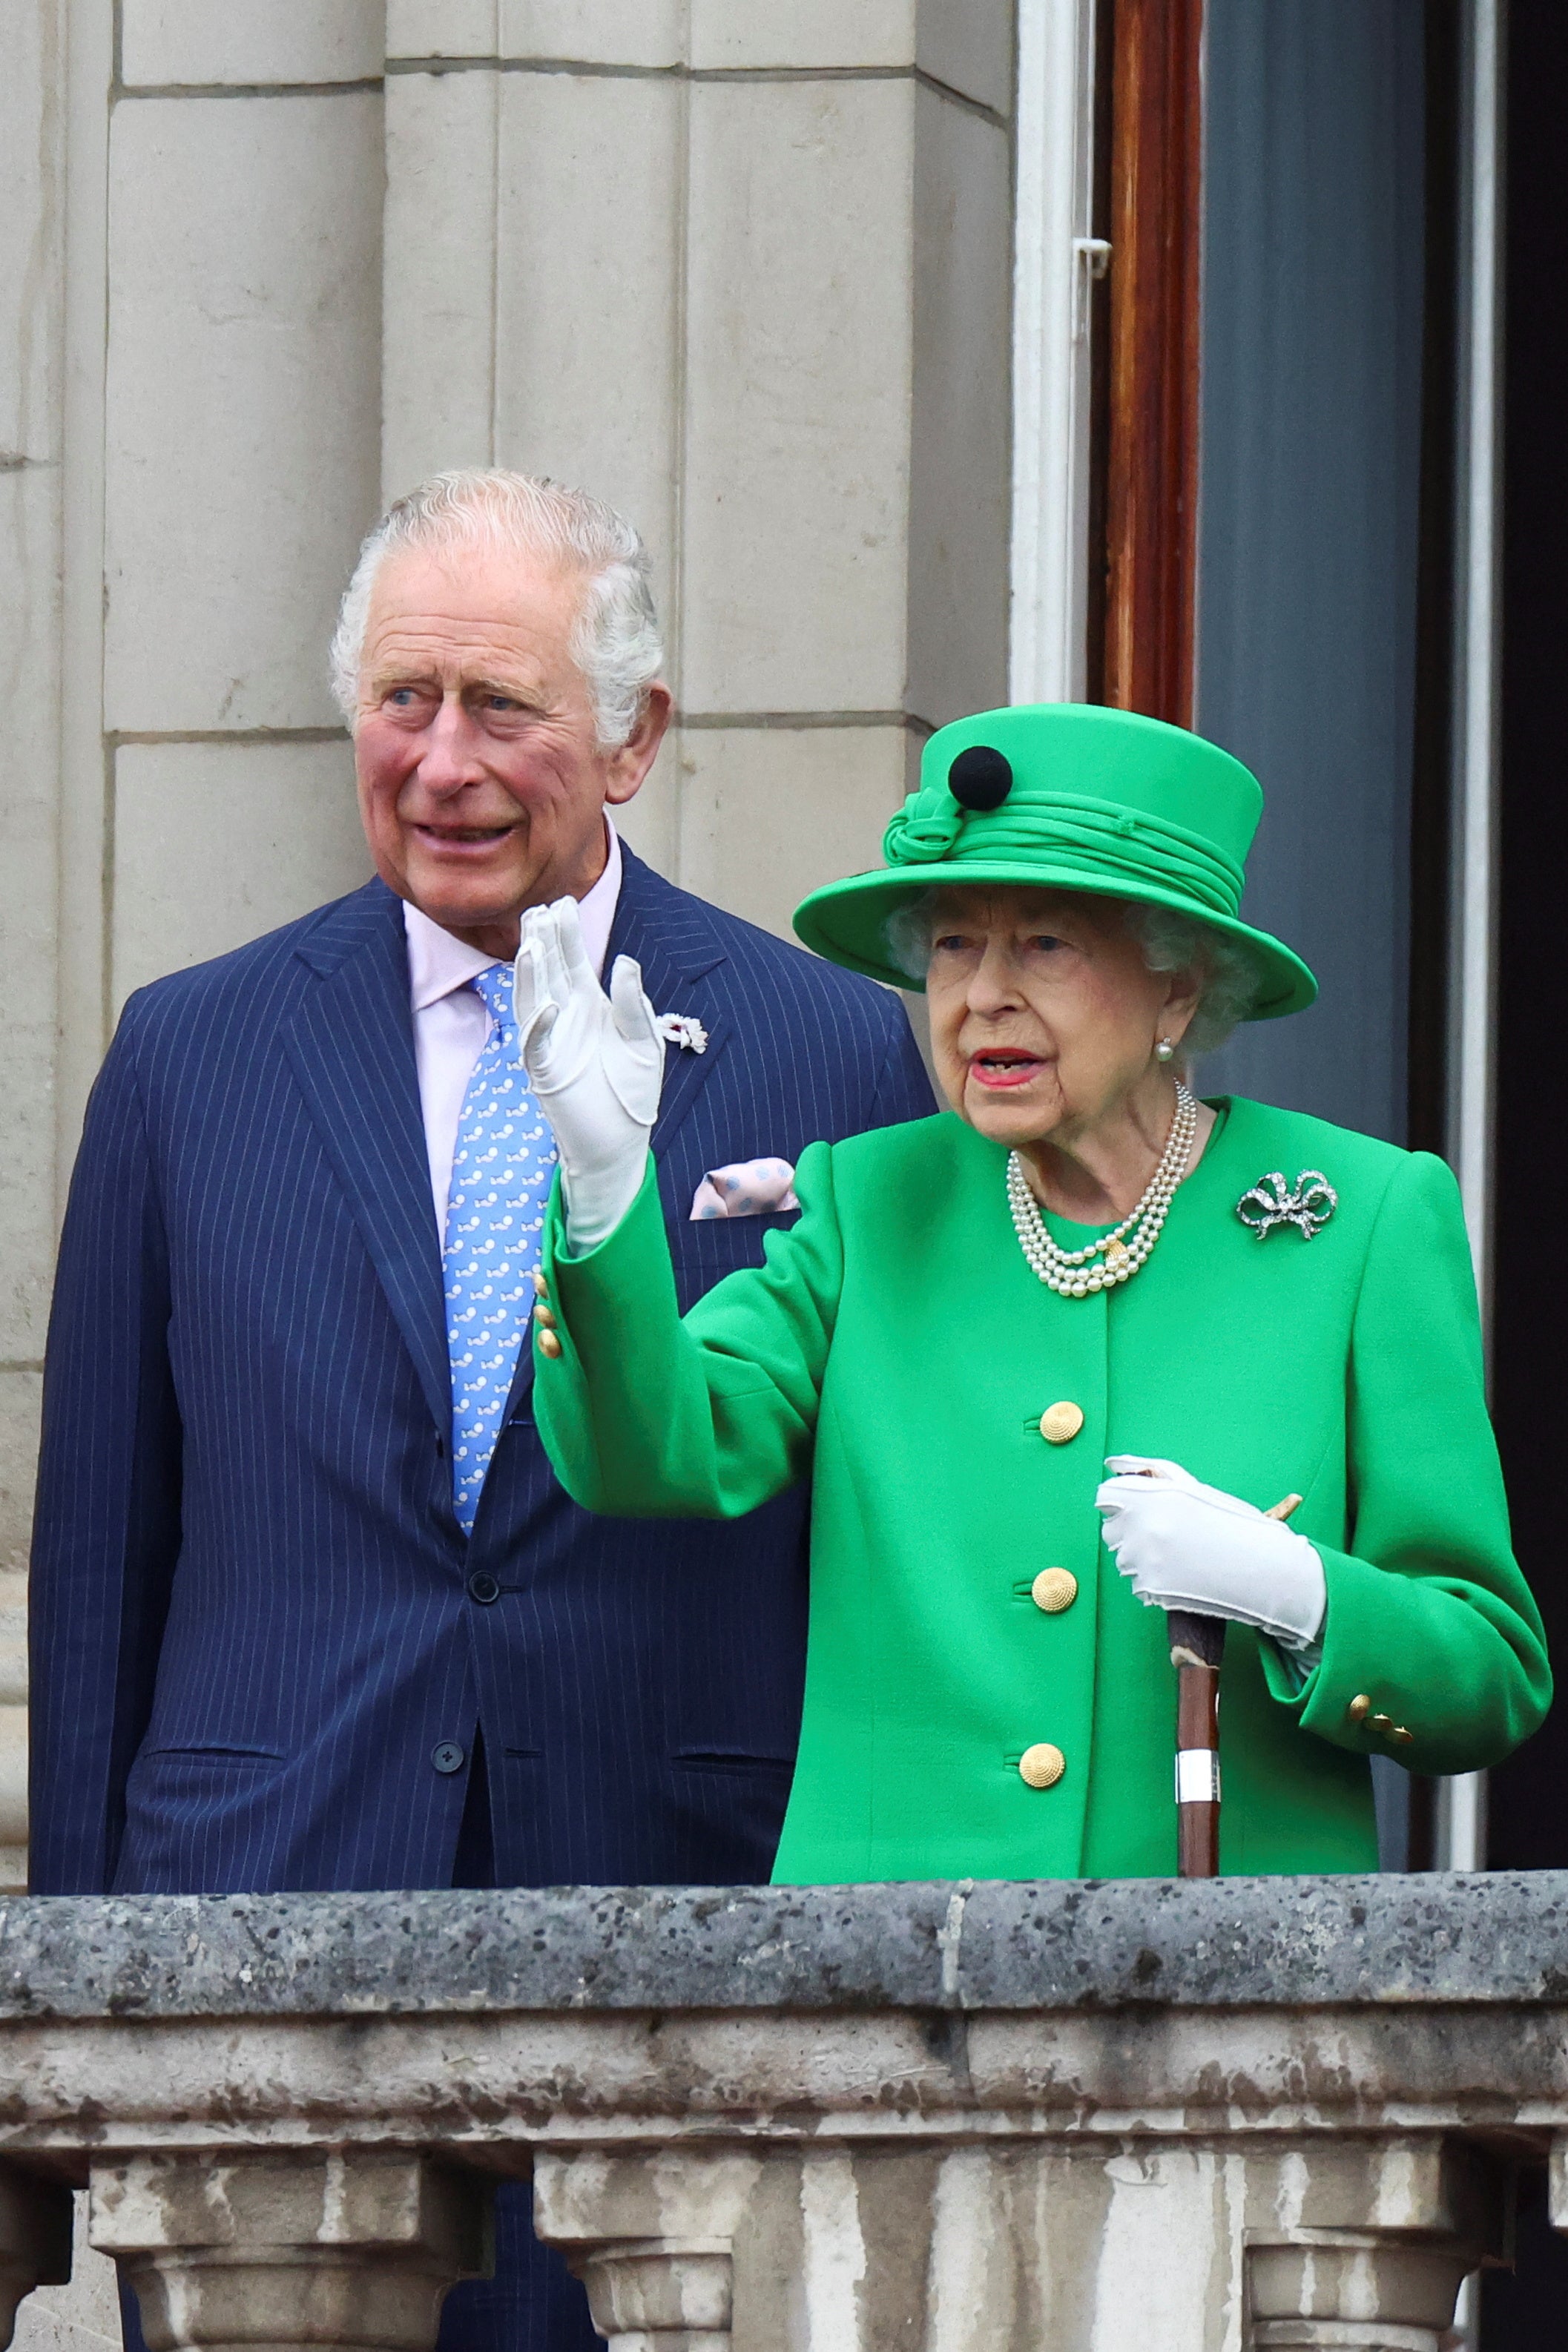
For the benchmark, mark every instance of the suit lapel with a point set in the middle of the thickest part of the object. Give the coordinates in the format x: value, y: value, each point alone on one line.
x: 350, y: 1045
x: 677, y: 950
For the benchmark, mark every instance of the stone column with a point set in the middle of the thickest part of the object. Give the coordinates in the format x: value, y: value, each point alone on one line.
x: 35, y: 2242
x: 1384, y: 2233
x: 651, y: 2239
x: 746, y: 271
x: 293, y: 2247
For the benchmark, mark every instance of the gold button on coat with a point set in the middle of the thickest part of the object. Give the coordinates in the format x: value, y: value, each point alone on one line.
x: 549, y: 1345
x: 1059, y: 1423
x: 541, y: 1288
x: 544, y: 1317
x: 1360, y: 1708
x: 1042, y: 1765
x: 1054, y: 1590
x: 1403, y: 1733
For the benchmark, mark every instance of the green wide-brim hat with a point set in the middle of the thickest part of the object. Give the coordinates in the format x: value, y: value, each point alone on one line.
x: 1065, y: 796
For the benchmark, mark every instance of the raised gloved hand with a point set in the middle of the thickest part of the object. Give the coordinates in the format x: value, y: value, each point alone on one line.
x: 1182, y: 1545
x: 595, y: 1062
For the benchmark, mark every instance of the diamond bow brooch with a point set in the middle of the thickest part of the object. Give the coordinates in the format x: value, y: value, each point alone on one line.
x: 1270, y: 1204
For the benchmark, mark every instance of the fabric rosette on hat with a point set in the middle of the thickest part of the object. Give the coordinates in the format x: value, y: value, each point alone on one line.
x: 1065, y: 796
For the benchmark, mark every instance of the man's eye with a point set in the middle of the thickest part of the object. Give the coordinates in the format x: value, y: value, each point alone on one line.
x: 403, y: 698
x: 501, y: 702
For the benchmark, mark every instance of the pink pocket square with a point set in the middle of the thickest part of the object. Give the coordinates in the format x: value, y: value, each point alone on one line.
x: 747, y: 1188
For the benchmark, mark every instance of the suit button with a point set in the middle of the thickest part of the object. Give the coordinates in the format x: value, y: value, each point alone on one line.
x: 1054, y: 1590
x: 447, y: 1757
x: 483, y: 1586
x: 1042, y: 1766
x: 1060, y: 1424
x: 549, y: 1345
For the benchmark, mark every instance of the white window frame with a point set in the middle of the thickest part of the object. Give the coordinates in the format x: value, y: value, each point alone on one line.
x: 1056, y: 257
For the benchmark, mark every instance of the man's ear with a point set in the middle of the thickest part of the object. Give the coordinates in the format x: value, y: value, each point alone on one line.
x: 630, y: 764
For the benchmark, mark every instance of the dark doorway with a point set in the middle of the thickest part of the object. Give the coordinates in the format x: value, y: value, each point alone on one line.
x: 1529, y: 1796
x: 1528, y: 1827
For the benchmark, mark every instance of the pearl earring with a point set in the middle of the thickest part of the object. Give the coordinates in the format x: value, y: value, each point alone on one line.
x: 1164, y: 1051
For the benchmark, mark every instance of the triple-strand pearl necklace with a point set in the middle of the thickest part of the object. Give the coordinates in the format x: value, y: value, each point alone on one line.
x: 1124, y: 1249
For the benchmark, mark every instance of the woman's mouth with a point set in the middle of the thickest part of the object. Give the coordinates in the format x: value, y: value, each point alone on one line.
x: 1003, y: 1065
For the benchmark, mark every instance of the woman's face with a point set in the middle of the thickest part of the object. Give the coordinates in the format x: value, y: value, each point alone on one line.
x: 1044, y: 1016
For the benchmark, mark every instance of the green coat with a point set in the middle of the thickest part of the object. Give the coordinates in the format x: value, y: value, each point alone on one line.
x: 898, y: 1351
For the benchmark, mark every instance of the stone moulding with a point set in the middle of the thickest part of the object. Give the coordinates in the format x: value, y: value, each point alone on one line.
x: 797, y: 2119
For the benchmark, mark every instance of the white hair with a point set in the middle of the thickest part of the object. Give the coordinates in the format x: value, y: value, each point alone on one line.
x: 615, y: 640
x: 1227, y: 975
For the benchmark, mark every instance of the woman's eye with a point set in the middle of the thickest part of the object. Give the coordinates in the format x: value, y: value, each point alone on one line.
x: 949, y: 943
x: 1046, y: 942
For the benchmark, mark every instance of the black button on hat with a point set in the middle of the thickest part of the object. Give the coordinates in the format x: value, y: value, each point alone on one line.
x: 980, y: 777
x: 447, y: 1757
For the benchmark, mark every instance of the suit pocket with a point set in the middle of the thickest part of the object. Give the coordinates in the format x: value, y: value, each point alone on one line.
x: 730, y: 1760
x: 704, y: 1254
x: 222, y: 1752
x: 723, y: 1810
x: 184, y: 1782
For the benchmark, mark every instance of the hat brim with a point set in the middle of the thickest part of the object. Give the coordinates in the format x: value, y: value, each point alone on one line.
x: 847, y: 921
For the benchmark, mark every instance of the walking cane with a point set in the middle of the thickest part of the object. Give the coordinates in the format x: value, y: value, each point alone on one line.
x: 1197, y: 1645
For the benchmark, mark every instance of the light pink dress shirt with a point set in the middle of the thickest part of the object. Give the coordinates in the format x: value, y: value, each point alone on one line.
x: 450, y: 1024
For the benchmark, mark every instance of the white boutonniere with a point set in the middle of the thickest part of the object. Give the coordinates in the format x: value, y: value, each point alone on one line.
x: 684, y: 1030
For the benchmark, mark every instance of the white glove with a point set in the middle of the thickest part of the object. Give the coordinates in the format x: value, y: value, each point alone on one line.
x: 1182, y: 1545
x: 597, y: 1064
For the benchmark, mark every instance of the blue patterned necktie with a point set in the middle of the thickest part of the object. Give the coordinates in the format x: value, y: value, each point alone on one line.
x: 501, y: 1169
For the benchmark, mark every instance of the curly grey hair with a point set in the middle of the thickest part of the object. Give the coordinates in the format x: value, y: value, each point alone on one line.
x: 1170, y: 942
x: 616, y: 640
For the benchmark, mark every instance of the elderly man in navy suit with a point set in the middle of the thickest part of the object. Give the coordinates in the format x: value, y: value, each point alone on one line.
x: 309, y: 1608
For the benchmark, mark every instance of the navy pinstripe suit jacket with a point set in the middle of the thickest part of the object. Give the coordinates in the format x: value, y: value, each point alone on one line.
x: 254, y: 1616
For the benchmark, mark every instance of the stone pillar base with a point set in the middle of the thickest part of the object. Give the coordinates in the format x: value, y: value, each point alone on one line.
x: 267, y: 2254
x: 656, y: 2295
x: 650, y: 2240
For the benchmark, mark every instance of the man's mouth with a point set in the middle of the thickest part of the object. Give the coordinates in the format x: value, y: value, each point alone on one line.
x: 1003, y: 1065
x: 462, y: 837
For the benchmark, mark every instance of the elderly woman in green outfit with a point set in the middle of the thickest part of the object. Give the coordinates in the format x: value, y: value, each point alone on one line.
x: 1079, y: 1269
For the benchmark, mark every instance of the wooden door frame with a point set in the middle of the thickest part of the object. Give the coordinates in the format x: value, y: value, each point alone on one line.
x: 1151, y: 414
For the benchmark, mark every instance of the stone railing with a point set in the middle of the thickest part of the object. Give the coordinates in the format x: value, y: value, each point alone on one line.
x: 1130, y: 2117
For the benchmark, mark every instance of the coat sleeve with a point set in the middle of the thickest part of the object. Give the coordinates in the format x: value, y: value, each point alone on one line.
x: 107, y: 1525
x: 647, y: 1416
x: 1429, y: 1617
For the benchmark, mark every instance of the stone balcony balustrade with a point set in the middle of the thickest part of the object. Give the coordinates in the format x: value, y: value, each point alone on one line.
x: 935, y: 2119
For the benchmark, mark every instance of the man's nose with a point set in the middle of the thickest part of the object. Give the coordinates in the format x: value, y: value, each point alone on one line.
x: 449, y: 756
